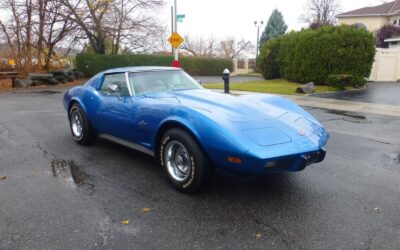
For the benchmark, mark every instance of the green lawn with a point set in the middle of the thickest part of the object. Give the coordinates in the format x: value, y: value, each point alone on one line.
x: 276, y: 86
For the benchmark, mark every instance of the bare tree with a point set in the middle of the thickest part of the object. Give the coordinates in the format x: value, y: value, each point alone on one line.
x: 133, y: 26
x: 53, y: 28
x: 230, y: 48
x: 42, y: 7
x: 34, y: 30
x: 127, y: 23
x: 322, y: 12
x: 198, y: 46
x: 18, y: 29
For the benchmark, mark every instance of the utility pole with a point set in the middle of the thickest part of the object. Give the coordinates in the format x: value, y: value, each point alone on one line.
x: 258, y: 35
x: 176, y: 29
x: 172, y: 26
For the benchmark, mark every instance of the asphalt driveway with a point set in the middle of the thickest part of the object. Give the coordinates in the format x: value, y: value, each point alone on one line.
x: 383, y: 93
x: 59, y: 195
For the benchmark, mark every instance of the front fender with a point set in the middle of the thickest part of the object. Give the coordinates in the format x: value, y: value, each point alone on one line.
x: 216, y: 141
x: 71, y: 96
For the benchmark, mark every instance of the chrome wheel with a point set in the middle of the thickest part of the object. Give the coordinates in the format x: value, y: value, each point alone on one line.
x: 76, y: 124
x: 177, y: 159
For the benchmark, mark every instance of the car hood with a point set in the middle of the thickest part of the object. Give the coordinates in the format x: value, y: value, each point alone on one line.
x: 263, y: 123
x: 233, y: 108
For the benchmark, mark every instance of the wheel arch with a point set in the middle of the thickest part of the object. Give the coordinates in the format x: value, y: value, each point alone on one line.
x: 171, y: 124
x: 72, y: 102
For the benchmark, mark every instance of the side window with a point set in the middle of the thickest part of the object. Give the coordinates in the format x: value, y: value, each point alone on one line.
x: 118, y: 80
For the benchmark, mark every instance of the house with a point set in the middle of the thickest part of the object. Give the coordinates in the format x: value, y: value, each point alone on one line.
x: 393, y: 43
x: 373, y: 18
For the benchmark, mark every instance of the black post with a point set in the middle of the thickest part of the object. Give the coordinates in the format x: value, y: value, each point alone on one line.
x: 258, y: 36
x: 258, y: 39
x: 225, y: 77
x: 172, y: 26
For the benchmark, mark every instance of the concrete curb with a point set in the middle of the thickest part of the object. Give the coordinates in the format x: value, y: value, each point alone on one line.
x: 321, y: 94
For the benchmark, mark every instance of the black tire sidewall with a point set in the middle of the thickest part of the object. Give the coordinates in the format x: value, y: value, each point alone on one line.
x: 197, y: 160
x: 86, y: 136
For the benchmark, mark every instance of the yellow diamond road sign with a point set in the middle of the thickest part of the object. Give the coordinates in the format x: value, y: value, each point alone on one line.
x: 175, y: 40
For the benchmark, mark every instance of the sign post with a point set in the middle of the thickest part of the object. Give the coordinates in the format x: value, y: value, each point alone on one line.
x: 12, y: 63
x: 176, y: 28
x: 175, y: 40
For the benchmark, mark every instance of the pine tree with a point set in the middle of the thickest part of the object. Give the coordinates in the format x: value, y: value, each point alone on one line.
x: 276, y: 27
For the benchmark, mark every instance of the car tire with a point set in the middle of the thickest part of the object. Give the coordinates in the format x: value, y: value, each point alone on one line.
x: 81, y: 130
x: 185, y: 164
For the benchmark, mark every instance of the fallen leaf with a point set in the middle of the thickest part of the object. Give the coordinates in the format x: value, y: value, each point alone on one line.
x: 146, y: 209
x: 258, y: 236
x: 125, y: 222
x: 3, y: 177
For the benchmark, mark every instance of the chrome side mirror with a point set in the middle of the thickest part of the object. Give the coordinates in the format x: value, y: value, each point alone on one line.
x: 112, y: 88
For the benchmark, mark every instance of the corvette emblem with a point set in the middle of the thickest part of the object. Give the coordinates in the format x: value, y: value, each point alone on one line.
x: 301, y: 132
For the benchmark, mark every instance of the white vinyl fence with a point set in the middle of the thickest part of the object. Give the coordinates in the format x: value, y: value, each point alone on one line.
x: 386, y: 67
x: 241, y: 68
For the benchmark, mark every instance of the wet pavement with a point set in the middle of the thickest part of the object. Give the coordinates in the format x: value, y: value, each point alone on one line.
x: 59, y: 195
x: 382, y: 93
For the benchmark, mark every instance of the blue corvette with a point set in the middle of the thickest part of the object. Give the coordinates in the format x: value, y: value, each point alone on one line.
x: 163, y: 112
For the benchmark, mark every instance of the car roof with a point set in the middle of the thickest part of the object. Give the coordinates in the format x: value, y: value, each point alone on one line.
x: 139, y: 69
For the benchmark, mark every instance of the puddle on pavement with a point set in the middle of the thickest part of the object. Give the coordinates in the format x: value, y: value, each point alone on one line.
x: 3, y: 131
x: 45, y: 92
x: 393, y: 158
x: 78, y: 175
x: 72, y: 173
x: 346, y: 113
x: 59, y: 168
x: 391, y: 161
x: 40, y: 92
x: 349, y: 116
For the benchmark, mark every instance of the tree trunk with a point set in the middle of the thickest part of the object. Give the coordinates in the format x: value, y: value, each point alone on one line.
x: 48, y: 58
x: 28, y: 29
x: 42, y: 15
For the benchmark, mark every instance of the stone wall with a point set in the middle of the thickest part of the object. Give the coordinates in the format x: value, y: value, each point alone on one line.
x: 5, y: 83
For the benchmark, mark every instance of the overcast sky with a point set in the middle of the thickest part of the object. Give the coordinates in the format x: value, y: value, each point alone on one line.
x: 225, y: 18
x: 222, y: 18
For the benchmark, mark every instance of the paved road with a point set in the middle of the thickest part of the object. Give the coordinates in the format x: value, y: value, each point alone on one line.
x: 59, y: 195
x: 384, y: 93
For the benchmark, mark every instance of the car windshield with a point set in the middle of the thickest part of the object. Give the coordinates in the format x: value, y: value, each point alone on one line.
x: 162, y: 81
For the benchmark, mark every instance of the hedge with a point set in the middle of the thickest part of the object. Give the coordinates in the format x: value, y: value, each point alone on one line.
x: 315, y: 55
x: 91, y: 64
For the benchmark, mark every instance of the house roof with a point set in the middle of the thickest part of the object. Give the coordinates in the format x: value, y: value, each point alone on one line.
x: 393, y: 39
x: 385, y: 9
